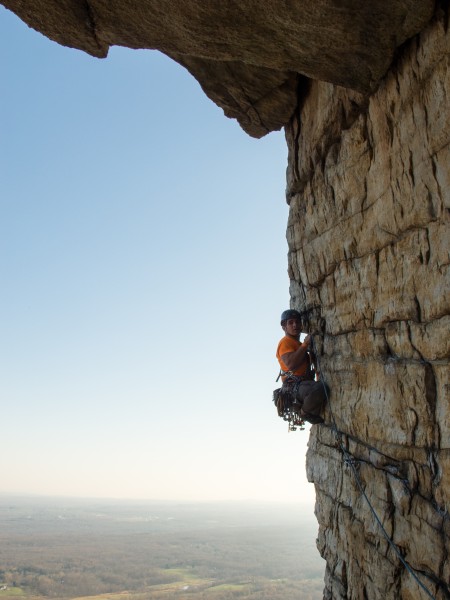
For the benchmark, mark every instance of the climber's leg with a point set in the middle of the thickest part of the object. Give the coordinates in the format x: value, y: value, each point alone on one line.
x: 311, y: 396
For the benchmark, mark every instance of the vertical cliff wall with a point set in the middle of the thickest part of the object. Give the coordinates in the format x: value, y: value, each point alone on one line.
x: 369, y: 254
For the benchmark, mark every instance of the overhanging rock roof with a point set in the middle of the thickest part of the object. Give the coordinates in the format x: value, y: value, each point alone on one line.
x: 247, y: 55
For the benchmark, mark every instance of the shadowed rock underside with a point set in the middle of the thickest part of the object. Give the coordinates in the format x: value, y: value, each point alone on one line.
x: 246, y: 54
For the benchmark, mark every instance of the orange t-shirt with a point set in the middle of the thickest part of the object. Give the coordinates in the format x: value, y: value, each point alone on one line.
x: 288, y: 344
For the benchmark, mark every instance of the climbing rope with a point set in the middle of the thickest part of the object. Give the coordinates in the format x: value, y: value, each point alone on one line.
x: 350, y: 461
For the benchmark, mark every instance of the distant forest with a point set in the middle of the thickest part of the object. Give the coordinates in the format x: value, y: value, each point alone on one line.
x: 130, y: 551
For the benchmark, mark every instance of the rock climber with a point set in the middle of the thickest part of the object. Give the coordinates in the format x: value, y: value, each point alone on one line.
x: 296, y: 372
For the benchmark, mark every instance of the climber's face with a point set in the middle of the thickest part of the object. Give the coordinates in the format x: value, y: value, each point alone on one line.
x: 293, y: 327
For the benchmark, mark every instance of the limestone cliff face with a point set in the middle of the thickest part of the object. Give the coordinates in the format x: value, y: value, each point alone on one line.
x: 363, y: 90
x: 369, y: 258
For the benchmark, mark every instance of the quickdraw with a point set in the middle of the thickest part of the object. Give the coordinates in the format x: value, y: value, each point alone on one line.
x: 288, y: 410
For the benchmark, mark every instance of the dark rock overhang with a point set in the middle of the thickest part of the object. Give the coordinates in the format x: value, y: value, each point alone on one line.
x: 247, y: 55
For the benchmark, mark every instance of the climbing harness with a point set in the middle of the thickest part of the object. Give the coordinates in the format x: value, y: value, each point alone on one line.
x: 285, y: 398
x: 352, y: 463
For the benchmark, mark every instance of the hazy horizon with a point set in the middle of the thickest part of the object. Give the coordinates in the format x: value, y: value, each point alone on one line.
x: 151, y: 551
x: 5, y: 495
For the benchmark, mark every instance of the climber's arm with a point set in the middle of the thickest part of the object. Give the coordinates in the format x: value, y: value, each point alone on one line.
x: 294, y: 360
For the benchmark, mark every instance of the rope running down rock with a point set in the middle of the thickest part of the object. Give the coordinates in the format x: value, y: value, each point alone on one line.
x: 350, y: 460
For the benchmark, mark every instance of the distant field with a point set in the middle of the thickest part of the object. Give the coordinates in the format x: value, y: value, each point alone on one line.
x: 12, y: 592
x: 154, y: 551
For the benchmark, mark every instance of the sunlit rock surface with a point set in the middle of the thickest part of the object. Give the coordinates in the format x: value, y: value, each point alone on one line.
x: 369, y: 256
x: 363, y: 89
x: 247, y: 55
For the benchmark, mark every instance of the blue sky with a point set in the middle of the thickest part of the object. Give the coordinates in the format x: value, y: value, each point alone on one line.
x: 143, y: 266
